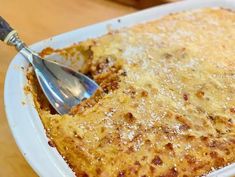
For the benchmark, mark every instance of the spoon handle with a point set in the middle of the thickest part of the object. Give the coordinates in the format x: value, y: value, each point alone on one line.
x: 5, y: 30
x: 9, y: 35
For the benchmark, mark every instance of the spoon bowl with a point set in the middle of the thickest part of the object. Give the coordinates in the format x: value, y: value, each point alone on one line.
x: 63, y: 86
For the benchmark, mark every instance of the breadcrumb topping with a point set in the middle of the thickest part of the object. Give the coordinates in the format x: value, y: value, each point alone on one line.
x: 166, y: 106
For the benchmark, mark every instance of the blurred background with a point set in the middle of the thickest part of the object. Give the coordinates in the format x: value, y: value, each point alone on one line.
x: 36, y: 20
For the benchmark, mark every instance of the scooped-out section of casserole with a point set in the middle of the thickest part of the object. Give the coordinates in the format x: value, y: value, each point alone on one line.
x: 166, y: 106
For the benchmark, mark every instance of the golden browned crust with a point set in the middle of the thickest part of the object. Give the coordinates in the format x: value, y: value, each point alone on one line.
x: 167, y: 104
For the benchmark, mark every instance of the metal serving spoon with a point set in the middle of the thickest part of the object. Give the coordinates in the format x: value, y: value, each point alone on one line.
x: 63, y: 87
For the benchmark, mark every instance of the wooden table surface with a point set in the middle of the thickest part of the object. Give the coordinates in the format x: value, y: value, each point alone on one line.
x: 36, y: 20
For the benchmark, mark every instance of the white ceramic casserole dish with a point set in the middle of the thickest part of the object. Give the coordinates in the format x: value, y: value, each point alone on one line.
x: 24, y: 120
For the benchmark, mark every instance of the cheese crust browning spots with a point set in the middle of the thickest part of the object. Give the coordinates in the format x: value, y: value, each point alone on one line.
x: 166, y: 106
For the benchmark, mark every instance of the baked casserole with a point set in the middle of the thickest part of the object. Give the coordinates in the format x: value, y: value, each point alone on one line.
x: 166, y: 106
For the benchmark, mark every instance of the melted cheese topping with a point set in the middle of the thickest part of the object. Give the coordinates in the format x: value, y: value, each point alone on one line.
x: 169, y: 104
